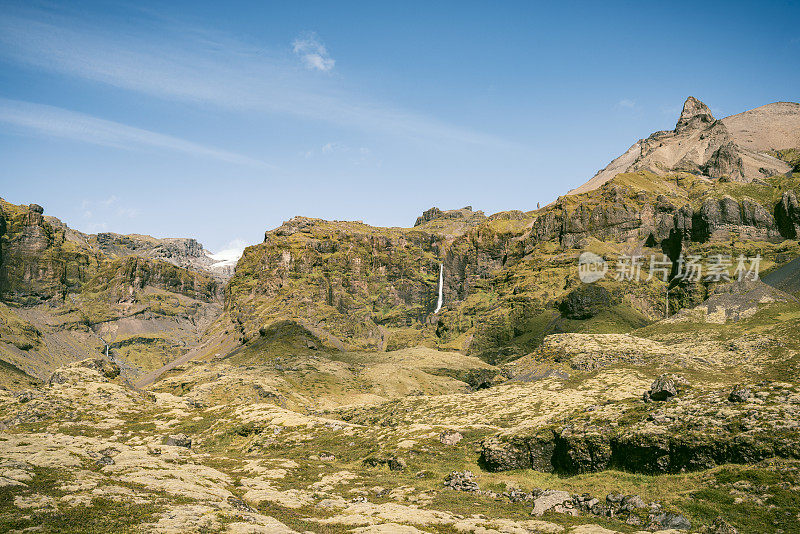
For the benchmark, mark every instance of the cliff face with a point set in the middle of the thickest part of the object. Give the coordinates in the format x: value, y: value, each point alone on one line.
x: 182, y: 252
x: 42, y: 259
x: 505, y: 275
x: 351, y: 278
x: 36, y: 260
x: 64, y: 294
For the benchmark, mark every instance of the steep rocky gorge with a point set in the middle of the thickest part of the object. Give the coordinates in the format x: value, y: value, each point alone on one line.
x: 64, y: 294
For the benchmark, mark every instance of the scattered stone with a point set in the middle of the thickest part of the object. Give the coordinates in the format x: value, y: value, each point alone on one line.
x: 450, y: 437
x: 550, y: 499
x: 178, y: 440
x: 663, y: 388
x: 26, y: 396
x: 240, y: 505
x: 394, y: 464
x: 669, y: 520
x: 633, y: 520
x: 104, y: 461
x: 739, y: 394
x: 516, y: 495
x: 631, y: 503
x: 461, y: 481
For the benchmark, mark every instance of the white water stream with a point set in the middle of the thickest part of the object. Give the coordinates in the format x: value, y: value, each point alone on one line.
x: 441, y: 289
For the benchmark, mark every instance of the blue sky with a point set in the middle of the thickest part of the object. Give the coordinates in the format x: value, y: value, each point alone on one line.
x: 220, y: 120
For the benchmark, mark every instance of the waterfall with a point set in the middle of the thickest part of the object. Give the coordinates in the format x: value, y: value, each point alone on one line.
x: 441, y: 289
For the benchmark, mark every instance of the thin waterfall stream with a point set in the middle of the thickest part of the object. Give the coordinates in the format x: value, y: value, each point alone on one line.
x: 441, y: 289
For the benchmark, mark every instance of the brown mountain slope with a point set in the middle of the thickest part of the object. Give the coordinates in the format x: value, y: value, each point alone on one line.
x: 766, y: 128
x: 738, y: 148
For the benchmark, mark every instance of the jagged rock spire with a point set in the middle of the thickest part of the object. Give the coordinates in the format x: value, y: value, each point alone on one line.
x: 694, y: 114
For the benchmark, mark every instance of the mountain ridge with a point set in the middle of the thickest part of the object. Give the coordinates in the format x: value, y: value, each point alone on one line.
x: 722, y: 153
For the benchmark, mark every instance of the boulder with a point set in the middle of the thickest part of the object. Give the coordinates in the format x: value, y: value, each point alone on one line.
x: 178, y: 440
x: 394, y: 464
x: 550, y: 499
x: 739, y: 394
x: 668, y: 520
x: 631, y: 503
x: 461, y: 481
x: 663, y: 388
x: 450, y: 437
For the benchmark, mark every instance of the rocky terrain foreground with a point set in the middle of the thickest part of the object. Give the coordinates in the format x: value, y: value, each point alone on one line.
x: 318, y: 388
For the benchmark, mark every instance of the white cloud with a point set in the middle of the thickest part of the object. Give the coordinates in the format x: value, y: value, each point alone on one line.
x: 104, y: 208
x: 330, y: 148
x: 626, y: 103
x: 94, y: 228
x: 57, y: 122
x: 107, y: 202
x: 313, y: 53
x: 190, y: 65
x: 130, y: 213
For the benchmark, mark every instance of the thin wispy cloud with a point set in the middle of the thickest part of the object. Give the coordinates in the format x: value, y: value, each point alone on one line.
x: 313, y: 53
x: 200, y: 68
x: 353, y: 155
x: 52, y: 121
x: 330, y: 148
x: 96, y: 213
x: 626, y: 103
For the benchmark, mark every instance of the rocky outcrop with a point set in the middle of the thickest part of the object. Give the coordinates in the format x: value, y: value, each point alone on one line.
x: 787, y: 215
x: 571, y: 451
x: 36, y: 264
x: 466, y: 214
x: 182, y: 252
x: 90, y: 369
x: 617, y: 217
x: 352, y: 277
x: 585, y: 301
x: 745, y: 218
x: 733, y: 149
x: 122, y: 278
x: 725, y: 163
x: 695, y: 115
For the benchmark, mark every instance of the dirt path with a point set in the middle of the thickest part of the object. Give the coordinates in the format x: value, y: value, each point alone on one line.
x: 220, y: 345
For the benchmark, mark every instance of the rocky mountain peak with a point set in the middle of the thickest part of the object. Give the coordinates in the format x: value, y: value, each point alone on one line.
x: 694, y: 114
x: 435, y: 213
